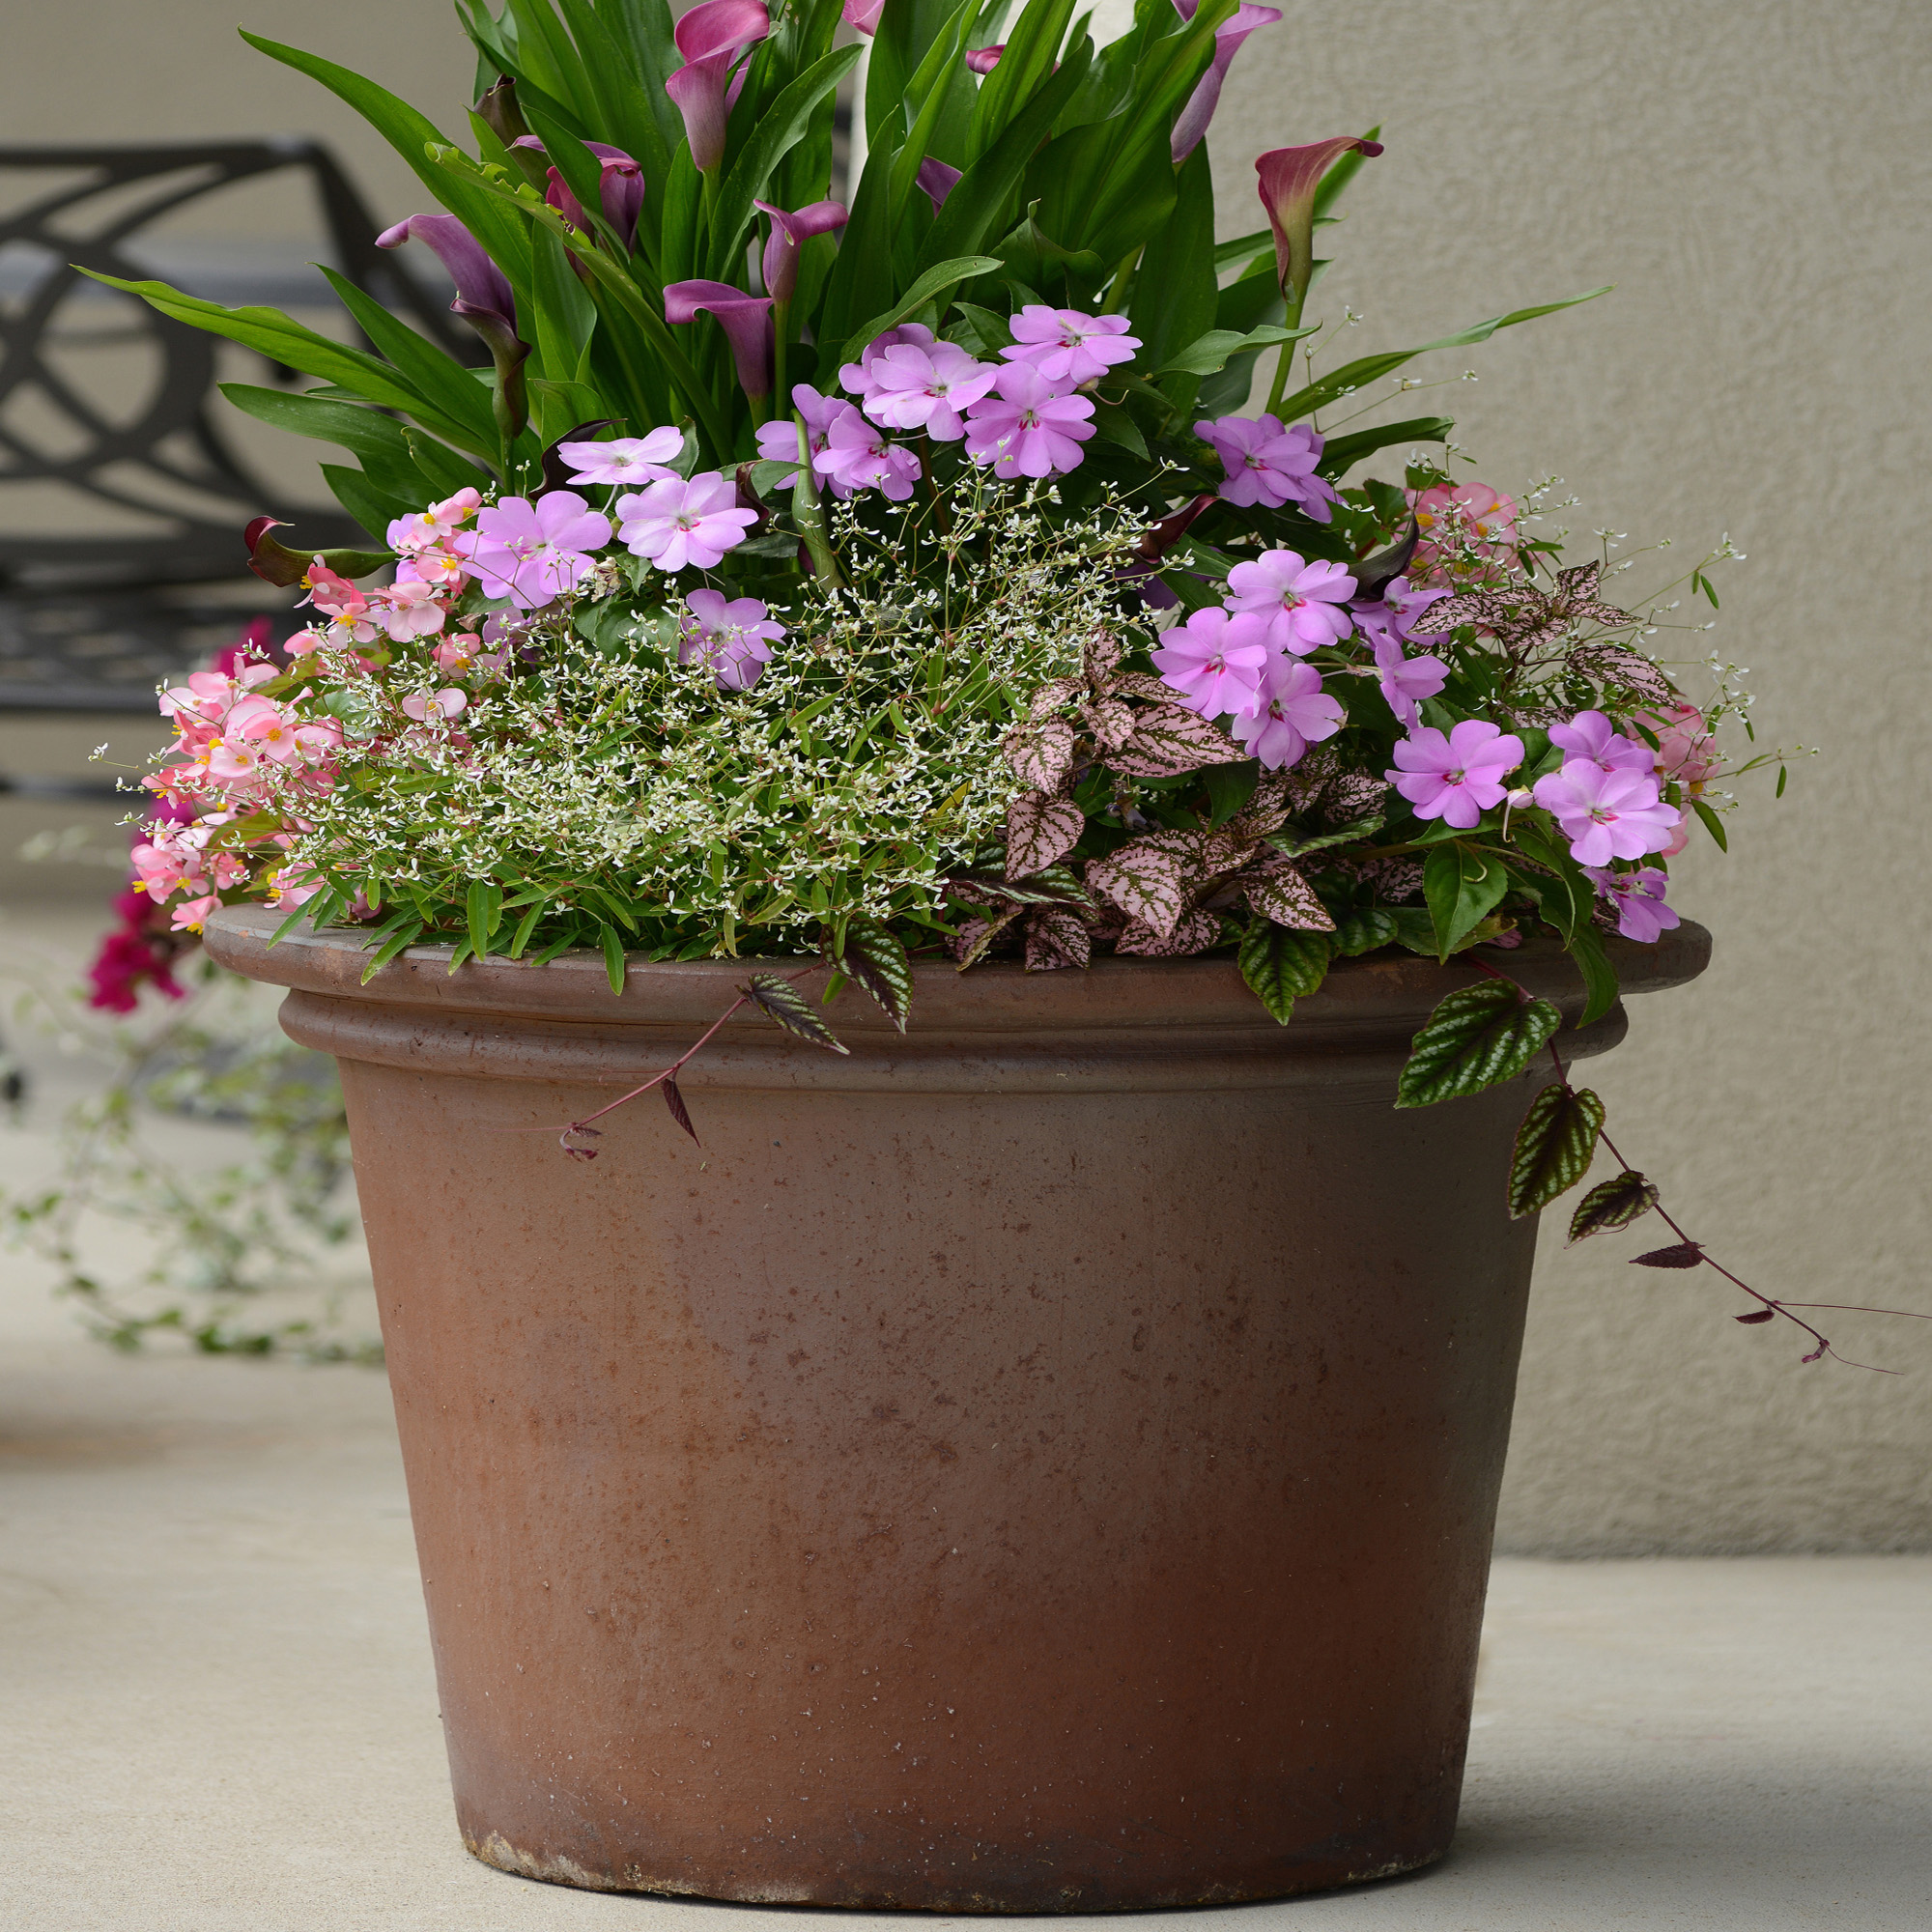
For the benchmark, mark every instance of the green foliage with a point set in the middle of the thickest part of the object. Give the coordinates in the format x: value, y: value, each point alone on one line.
x: 1553, y: 1147
x: 1477, y: 1036
x: 1282, y: 965
x: 1615, y: 1202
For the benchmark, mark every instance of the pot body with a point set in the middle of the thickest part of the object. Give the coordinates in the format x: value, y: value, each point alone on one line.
x: 1046, y: 1463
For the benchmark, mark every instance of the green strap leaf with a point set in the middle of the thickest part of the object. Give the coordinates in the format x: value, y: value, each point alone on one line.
x: 1614, y: 1203
x: 1208, y: 353
x: 1476, y: 1037
x: 1281, y: 965
x: 1553, y: 1147
x: 1342, y: 453
x: 1600, y: 976
x: 939, y: 277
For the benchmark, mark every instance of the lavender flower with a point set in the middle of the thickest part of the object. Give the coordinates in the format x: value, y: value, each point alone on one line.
x: 1301, y: 600
x: 859, y: 456
x: 1290, y: 713
x: 733, y: 640
x: 1457, y: 777
x: 1028, y: 427
x: 630, y: 458
x: 1638, y: 897
x: 1216, y: 662
x: 1067, y: 347
x: 1406, y: 681
x: 857, y: 376
x: 1605, y: 813
x: 1268, y: 463
x: 533, y: 553
x: 778, y: 439
x: 1591, y: 737
x: 910, y: 388
x: 674, y: 522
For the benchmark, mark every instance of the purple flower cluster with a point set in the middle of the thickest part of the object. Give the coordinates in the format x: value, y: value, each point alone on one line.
x: 1269, y: 464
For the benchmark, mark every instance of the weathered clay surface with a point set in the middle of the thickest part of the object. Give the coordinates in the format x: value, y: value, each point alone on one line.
x: 1046, y: 1463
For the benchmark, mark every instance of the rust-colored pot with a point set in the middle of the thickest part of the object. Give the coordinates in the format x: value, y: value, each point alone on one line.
x: 1044, y: 1463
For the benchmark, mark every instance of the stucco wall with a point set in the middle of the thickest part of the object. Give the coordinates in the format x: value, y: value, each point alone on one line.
x: 1754, y: 178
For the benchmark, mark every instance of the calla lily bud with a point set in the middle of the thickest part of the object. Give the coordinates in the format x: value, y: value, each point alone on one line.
x: 620, y: 186
x: 983, y: 60
x: 711, y: 37
x: 1289, y: 179
x: 789, y: 232
x: 483, y: 299
x: 936, y: 180
x: 746, y: 319
x: 498, y: 111
x: 1192, y: 122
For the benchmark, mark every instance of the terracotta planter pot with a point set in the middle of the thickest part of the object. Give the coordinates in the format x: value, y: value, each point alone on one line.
x: 1044, y: 1463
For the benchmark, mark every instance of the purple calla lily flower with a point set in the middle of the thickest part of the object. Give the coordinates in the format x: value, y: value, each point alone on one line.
x: 983, y: 60
x: 1289, y: 179
x: 746, y: 319
x: 1229, y: 37
x: 863, y: 14
x: 483, y: 299
x: 936, y: 180
x: 789, y: 232
x: 711, y: 37
x: 620, y: 186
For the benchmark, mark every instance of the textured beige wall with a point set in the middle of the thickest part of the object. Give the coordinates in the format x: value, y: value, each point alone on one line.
x: 1754, y: 177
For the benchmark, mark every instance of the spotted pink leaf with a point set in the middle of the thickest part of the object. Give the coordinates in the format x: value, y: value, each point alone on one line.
x: 1055, y: 938
x: 1145, y: 881
x: 1040, y: 829
x: 1195, y: 933
x: 1169, y: 741
x: 1042, y: 753
x: 1277, y: 890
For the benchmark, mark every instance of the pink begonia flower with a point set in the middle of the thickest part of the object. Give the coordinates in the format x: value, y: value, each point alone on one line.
x: 982, y: 60
x: 1591, y: 737
x: 1607, y: 814
x: 1289, y: 180
x: 193, y: 913
x: 336, y: 597
x: 779, y: 266
x: 1638, y: 897
x: 1215, y: 661
x: 1464, y: 518
x: 465, y: 652
x: 287, y: 740
x: 1457, y: 777
x: 435, y: 705
x: 910, y: 388
x: 1267, y: 463
x: 434, y: 566
x: 534, y: 552
x: 430, y: 529
x: 857, y: 376
x: 620, y: 190
x: 1292, y: 713
x: 1406, y: 681
x: 863, y: 14
x: 746, y: 319
x: 1192, y: 122
x: 733, y: 640
x: 1300, y: 601
x: 302, y: 643
x: 408, y: 609
x: 1029, y: 426
x: 1068, y: 348
x: 711, y: 37
x: 859, y: 457
x: 162, y: 867
x: 1685, y: 751
x: 936, y: 179
x: 675, y: 524
x: 778, y: 439
x: 627, y: 459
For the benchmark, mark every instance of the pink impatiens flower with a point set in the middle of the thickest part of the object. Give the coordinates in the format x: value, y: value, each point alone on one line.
x: 857, y: 376
x: 911, y: 388
x: 533, y: 553
x: 1301, y: 600
x: 1459, y: 777
x: 1215, y: 661
x: 1292, y: 713
x: 1606, y: 813
x: 629, y: 459
x: 1029, y: 426
x: 732, y: 638
x: 1638, y: 897
x: 1268, y: 463
x: 1591, y: 737
x: 857, y: 456
x: 674, y: 522
x: 778, y: 439
x: 1067, y: 347
x: 1406, y: 681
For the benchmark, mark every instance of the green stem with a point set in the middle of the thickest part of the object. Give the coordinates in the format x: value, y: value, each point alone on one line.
x: 780, y: 394
x: 1284, y: 361
x: 810, y: 514
x: 1121, y: 274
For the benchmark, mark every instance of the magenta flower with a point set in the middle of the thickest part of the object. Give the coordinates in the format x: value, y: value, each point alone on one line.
x: 533, y: 553
x: 1029, y: 426
x: 936, y: 180
x: 1638, y: 897
x: 1406, y: 681
x: 857, y: 376
x: 863, y: 14
x: 1457, y: 777
x: 1067, y: 347
x: 1289, y: 179
x: 1391, y: 617
x: 711, y: 37
x: 1292, y: 713
x: 859, y: 456
x: 982, y: 60
x: 1591, y: 737
x: 1267, y: 463
x: 620, y: 189
x: 1606, y: 813
x: 778, y: 439
x: 1216, y: 661
x: 674, y: 522
x: 733, y: 640
x: 627, y: 459
x: 789, y: 232
x: 1301, y: 600
x: 746, y: 319
x: 1192, y: 122
x: 910, y: 388
x: 483, y: 296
